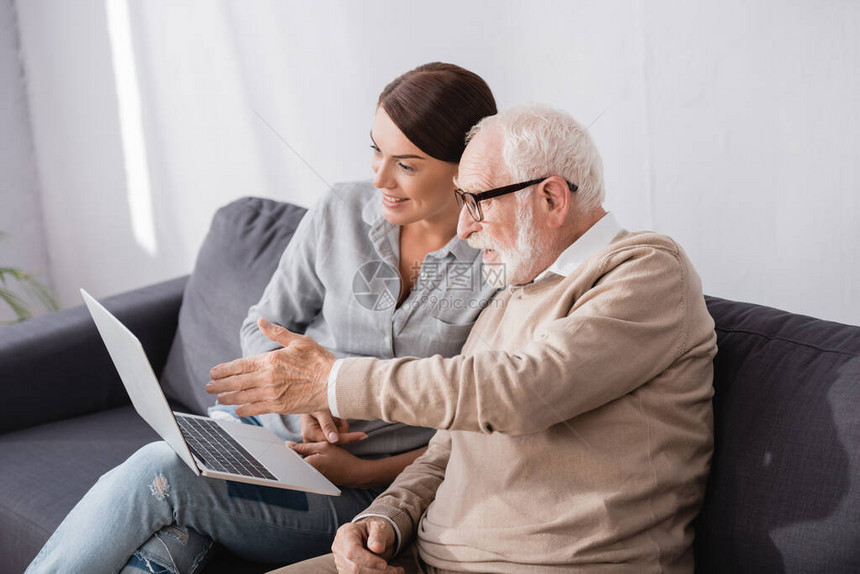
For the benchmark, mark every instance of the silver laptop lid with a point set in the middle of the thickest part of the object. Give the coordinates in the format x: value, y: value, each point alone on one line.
x: 140, y: 382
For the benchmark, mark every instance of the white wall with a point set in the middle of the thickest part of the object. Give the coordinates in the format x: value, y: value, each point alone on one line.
x: 23, y: 246
x: 755, y: 147
x: 733, y: 128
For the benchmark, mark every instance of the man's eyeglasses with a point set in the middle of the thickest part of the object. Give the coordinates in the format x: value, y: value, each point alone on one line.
x: 473, y: 200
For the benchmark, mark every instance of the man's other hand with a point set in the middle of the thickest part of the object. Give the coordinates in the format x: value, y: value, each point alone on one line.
x: 365, y: 546
x: 293, y: 379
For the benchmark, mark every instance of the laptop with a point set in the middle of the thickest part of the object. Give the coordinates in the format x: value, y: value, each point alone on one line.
x: 213, y: 448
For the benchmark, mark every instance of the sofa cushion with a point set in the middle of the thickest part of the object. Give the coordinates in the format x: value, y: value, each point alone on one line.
x: 44, y: 476
x: 784, y: 487
x: 234, y: 265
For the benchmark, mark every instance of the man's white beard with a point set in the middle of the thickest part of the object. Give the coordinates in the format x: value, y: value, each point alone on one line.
x: 518, y: 259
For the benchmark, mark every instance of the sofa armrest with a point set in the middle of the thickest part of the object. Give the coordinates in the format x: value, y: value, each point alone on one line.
x: 56, y: 366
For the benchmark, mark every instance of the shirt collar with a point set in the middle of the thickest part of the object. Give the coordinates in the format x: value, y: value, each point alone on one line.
x: 371, y: 213
x: 598, y: 236
x: 459, y: 248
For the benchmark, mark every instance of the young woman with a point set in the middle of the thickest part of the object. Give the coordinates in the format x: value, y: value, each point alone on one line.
x: 374, y: 270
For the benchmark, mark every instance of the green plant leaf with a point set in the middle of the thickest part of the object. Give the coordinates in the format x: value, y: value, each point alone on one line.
x: 40, y: 292
x: 16, y: 303
x: 31, y: 287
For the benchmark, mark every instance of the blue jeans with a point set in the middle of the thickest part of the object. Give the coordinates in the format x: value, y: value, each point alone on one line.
x: 152, y: 513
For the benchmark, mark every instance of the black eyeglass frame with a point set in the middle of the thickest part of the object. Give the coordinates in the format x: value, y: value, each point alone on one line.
x: 475, y: 207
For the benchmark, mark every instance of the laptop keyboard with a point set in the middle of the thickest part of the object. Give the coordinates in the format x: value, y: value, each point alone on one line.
x: 218, y: 450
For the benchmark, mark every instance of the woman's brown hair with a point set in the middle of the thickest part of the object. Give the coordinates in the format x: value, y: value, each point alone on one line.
x: 435, y: 105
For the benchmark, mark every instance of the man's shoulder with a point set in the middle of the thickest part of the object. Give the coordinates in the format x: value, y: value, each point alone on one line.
x: 628, y: 240
x: 657, y: 247
x: 641, y: 253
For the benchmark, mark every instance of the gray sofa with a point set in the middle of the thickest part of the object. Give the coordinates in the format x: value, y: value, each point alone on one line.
x: 783, y: 495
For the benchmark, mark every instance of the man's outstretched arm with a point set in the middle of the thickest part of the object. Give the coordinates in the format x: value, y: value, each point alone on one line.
x: 646, y: 313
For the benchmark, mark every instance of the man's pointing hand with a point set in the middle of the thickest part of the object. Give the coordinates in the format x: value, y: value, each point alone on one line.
x: 293, y: 379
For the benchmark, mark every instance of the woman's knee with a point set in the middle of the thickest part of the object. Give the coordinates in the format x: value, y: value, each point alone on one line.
x: 155, y: 465
x: 157, y: 453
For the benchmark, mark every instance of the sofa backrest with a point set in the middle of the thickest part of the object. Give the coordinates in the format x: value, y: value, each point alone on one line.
x: 234, y: 265
x: 784, y: 489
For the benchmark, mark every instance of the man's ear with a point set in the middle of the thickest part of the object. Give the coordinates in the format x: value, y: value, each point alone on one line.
x: 556, y: 199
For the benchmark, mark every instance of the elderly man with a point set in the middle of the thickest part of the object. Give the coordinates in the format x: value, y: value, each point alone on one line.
x: 576, y: 426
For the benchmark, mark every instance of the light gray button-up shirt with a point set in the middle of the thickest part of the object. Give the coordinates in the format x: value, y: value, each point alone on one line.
x: 338, y: 282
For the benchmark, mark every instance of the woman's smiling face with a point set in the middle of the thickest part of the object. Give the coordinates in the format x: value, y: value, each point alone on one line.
x: 414, y: 186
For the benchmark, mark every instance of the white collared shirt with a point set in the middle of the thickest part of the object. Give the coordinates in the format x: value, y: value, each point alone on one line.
x: 596, y: 238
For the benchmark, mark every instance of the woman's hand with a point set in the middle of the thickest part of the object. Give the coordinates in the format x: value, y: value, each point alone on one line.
x: 336, y: 463
x: 321, y: 426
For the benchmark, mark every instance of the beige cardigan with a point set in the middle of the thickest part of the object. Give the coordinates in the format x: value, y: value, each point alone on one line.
x: 578, y: 427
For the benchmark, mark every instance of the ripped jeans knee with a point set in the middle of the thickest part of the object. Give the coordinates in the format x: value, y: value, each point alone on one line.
x: 172, y: 550
x: 160, y: 488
